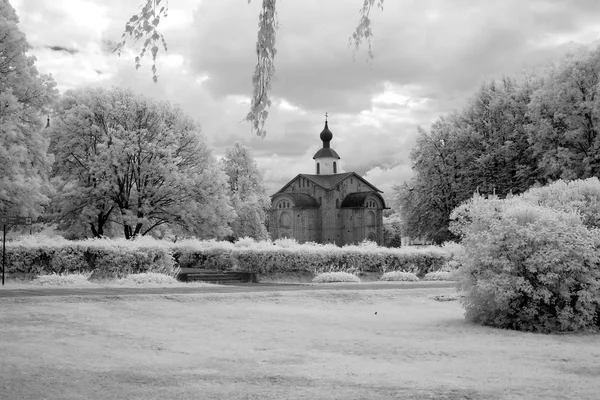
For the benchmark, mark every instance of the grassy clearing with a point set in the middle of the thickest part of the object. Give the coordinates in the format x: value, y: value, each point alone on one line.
x: 302, y: 345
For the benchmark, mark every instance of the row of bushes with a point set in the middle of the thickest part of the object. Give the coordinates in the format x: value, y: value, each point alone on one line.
x: 38, y: 255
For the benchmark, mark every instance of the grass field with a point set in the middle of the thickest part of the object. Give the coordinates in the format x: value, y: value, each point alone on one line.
x: 387, y: 344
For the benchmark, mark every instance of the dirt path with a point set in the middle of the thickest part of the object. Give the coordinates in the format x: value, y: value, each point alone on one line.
x: 229, y: 288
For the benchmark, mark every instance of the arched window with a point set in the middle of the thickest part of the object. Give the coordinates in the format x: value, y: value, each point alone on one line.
x: 371, y: 218
x: 334, y: 167
x: 284, y: 220
x: 318, y: 168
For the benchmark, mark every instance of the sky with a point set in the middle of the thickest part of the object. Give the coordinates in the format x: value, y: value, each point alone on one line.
x: 430, y: 56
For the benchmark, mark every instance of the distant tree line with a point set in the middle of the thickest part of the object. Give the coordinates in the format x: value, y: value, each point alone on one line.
x: 513, y: 134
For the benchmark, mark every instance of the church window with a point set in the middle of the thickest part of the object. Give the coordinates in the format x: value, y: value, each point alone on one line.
x: 371, y: 218
x: 285, y: 220
x: 318, y: 168
x: 334, y: 167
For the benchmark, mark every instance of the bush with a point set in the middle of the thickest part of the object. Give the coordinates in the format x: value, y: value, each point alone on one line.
x: 147, y: 278
x: 399, y: 276
x: 331, y: 277
x: 106, y: 258
x: 439, y: 276
x: 528, y: 267
x: 61, y: 280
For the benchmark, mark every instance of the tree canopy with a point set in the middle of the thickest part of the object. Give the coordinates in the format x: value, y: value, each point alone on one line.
x: 25, y: 96
x: 144, y: 26
x: 247, y: 193
x: 141, y: 164
x: 513, y: 134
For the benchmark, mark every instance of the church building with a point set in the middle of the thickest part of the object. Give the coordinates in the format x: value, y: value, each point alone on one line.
x: 328, y: 206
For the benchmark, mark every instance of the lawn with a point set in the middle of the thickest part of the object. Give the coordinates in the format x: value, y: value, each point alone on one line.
x: 383, y: 344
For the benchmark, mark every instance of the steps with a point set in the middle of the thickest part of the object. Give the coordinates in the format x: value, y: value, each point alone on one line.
x: 213, y: 276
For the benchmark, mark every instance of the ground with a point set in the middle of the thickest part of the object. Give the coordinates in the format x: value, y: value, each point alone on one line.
x: 345, y: 344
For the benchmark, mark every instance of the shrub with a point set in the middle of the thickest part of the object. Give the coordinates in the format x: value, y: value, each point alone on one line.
x: 61, y: 280
x: 528, y: 267
x: 147, y: 278
x: 331, y: 277
x: 439, y: 276
x: 399, y: 276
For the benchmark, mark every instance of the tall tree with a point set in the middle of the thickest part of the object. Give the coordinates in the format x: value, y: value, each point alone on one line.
x: 484, y: 147
x: 25, y: 96
x: 247, y: 192
x: 126, y: 159
x: 144, y: 26
x: 566, y: 117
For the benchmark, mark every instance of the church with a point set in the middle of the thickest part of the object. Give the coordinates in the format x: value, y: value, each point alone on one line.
x: 328, y: 206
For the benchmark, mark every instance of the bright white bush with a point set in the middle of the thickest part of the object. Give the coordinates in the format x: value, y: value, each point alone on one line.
x: 61, y: 280
x: 331, y: 277
x: 147, y: 278
x: 399, y: 276
x: 439, y: 276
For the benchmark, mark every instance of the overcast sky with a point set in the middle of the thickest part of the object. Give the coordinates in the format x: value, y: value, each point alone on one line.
x: 430, y: 56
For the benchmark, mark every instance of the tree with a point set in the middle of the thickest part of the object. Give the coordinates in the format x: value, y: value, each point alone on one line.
x: 25, y: 96
x: 566, y: 118
x: 144, y: 26
x: 247, y: 193
x: 483, y: 148
x: 132, y: 161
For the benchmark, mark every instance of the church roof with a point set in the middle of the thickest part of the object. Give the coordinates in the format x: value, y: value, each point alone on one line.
x: 329, y: 181
x: 326, y: 152
x: 302, y: 200
x: 358, y: 199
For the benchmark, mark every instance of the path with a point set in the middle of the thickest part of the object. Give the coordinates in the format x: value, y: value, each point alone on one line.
x: 229, y: 288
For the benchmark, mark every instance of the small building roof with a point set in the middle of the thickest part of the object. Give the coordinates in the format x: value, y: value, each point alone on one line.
x: 328, y: 181
x: 302, y: 200
x: 326, y: 152
x: 357, y: 199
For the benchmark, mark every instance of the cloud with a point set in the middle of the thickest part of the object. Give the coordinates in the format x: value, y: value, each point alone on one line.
x: 430, y: 56
x: 60, y: 48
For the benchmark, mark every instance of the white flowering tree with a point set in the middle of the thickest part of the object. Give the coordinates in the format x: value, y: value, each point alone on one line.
x: 144, y: 26
x: 25, y: 96
x: 132, y: 161
x: 247, y: 192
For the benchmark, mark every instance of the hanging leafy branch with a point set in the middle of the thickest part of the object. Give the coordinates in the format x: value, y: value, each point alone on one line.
x: 363, y: 31
x: 265, y: 68
x: 145, y: 25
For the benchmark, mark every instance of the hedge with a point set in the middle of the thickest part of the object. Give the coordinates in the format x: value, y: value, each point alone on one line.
x: 38, y: 255
x: 35, y: 255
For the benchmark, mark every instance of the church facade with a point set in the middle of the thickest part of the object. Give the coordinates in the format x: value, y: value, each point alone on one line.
x: 328, y: 206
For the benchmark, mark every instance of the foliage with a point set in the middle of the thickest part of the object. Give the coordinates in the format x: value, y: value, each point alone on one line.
x: 55, y: 279
x: 25, y: 95
x: 484, y: 147
x: 119, y: 257
x: 128, y: 160
x: 392, y: 231
x: 106, y: 258
x: 399, y: 276
x: 247, y: 193
x: 439, y: 276
x: 565, y: 119
x: 581, y: 195
x: 527, y: 266
x: 146, y: 278
x: 332, y: 277
x: 144, y: 25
